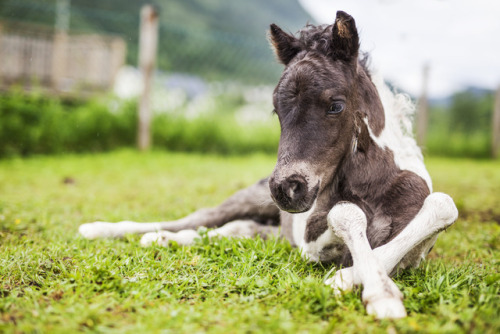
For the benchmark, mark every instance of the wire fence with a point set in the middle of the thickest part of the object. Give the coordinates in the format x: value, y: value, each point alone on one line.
x: 211, y: 54
x: 55, y: 61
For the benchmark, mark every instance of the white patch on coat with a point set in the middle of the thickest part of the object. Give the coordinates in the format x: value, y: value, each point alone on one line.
x: 115, y: 230
x: 397, y: 134
x: 299, y: 222
x: 312, y: 251
x: 326, y: 248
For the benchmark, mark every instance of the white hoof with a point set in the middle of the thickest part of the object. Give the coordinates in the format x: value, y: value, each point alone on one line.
x: 183, y: 238
x: 96, y: 230
x: 115, y: 230
x: 386, y: 308
x: 160, y: 238
x: 343, y: 280
x: 385, y: 301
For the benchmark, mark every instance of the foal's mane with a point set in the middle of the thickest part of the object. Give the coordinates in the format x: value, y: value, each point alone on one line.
x: 319, y: 38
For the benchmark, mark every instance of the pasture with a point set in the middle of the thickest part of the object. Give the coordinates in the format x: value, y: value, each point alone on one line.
x: 53, y: 280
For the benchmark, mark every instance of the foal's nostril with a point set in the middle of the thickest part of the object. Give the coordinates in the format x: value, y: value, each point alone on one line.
x: 295, y: 187
x: 292, y: 187
x: 292, y: 193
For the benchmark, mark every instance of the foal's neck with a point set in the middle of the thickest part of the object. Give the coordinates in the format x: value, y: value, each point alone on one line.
x: 366, y: 172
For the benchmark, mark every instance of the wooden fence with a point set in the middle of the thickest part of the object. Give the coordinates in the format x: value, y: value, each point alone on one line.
x: 58, y: 61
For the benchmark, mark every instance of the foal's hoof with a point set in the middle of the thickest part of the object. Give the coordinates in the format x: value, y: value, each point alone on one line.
x: 386, y: 308
x: 384, y: 301
x: 160, y: 238
x: 96, y: 230
x: 107, y: 230
x: 343, y: 280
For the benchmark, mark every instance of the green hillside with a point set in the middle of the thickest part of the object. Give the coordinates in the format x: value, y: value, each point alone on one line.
x: 215, y: 39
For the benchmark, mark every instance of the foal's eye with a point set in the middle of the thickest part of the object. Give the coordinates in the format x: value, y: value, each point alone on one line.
x: 336, y: 108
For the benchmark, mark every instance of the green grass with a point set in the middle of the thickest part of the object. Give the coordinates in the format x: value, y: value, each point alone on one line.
x: 52, y: 280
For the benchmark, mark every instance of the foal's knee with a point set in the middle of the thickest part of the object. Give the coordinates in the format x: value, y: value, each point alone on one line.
x: 345, y: 218
x: 443, y: 207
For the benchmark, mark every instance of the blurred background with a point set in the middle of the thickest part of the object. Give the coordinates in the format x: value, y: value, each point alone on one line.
x: 72, y: 80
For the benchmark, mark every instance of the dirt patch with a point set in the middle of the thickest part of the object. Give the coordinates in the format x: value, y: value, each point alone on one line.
x: 56, y: 295
x: 11, y: 317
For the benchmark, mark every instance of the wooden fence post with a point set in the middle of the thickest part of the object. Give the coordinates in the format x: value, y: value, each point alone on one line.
x: 423, y: 109
x: 1, y: 60
x: 148, y: 40
x: 59, y: 52
x: 495, y: 135
x: 60, y: 43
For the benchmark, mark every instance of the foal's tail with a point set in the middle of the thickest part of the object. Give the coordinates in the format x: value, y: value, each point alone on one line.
x: 252, y: 203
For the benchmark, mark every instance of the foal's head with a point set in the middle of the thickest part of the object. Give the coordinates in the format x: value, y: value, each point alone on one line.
x: 319, y: 101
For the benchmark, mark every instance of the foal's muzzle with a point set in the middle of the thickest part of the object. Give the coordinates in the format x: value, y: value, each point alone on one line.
x: 293, y: 193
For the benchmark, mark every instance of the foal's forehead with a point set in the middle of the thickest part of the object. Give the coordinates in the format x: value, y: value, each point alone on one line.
x: 314, y: 71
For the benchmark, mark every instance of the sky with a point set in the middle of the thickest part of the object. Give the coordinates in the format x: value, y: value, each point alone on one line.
x: 458, y: 39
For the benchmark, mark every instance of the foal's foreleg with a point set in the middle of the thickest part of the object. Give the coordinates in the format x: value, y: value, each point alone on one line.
x: 380, y: 294
x: 410, y: 246
x: 253, y: 203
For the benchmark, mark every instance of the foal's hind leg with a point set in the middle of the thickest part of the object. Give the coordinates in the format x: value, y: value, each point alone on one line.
x: 237, y: 229
x: 253, y: 203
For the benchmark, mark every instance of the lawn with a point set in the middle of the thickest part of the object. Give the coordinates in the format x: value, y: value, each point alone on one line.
x: 53, y: 280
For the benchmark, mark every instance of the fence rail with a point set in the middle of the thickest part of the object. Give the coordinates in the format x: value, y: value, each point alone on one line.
x: 57, y: 60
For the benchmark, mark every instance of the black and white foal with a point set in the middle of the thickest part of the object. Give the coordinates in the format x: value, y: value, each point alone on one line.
x: 350, y: 186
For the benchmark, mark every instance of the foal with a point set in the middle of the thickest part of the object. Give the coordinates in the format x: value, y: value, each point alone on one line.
x: 349, y: 187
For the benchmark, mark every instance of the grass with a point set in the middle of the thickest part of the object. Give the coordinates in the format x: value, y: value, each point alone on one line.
x: 52, y: 280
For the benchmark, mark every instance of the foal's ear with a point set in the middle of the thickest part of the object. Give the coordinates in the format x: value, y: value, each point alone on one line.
x: 285, y: 46
x: 345, y: 40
